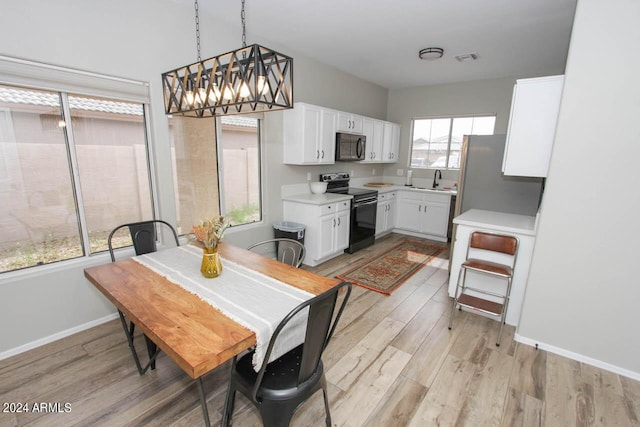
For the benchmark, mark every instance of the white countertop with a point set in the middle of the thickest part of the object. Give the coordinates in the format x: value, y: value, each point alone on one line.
x: 498, y: 221
x: 390, y: 188
x: 317, y: 199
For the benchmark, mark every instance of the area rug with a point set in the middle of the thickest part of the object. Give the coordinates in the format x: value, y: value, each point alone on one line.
x: 384, y: 273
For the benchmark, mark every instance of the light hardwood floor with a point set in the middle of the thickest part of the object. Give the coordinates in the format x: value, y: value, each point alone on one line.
x: 392, y: 362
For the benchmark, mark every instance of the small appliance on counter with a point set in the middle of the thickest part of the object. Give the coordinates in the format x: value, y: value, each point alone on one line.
x: 364, y: 206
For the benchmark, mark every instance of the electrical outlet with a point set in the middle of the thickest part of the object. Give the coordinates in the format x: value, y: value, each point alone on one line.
x: 308, y: 176
x: 400, y: 172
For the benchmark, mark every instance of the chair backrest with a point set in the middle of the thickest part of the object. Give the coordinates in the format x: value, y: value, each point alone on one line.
x: 143, y: 235
x: 494, y: 242
x: 321, y: 324
x: 288, y: 251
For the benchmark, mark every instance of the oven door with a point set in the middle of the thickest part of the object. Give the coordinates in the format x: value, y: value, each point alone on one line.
x: 363, y: 221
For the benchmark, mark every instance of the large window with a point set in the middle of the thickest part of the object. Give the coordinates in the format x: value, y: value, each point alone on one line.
x: 72, y: 168
x: 437, y: 141
x: 216, y: 165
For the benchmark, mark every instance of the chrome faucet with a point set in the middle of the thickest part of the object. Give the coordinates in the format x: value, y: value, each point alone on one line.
x: 437, y: 174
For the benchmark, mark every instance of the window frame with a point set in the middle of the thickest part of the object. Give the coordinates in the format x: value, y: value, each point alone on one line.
x: 66, y: 82
x: 220, y: 165
x: 451, y: 124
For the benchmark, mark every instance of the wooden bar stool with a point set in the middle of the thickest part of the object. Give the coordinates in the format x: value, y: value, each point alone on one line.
x: 494, y: 301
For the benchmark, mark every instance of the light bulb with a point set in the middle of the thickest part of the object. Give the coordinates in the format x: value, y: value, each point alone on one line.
x: 191, y: 97
x: 202, y: 95
x: 227, y: 92
x: 215, y: 94
x: 244, y: 90
x: 263, y: 85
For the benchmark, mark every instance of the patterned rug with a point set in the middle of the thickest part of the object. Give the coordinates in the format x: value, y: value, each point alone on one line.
x: 386, y: 272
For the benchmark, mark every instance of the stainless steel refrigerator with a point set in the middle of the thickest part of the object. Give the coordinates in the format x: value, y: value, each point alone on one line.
x: 481, y: 184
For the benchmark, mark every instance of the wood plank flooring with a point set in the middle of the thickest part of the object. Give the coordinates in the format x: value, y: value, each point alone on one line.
x: 392, y: 362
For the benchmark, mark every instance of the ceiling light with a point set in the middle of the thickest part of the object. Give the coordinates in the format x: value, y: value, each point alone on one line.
x: 431, y: 53
x: 252, y: 78
x: 467, y: 57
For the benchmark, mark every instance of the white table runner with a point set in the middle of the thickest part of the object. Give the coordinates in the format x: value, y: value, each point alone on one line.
x: 255, y: 301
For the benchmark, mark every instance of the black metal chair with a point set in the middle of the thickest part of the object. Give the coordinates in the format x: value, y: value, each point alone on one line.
x: 288, y: 251
x: 144, y: 236
x: 279, y: 387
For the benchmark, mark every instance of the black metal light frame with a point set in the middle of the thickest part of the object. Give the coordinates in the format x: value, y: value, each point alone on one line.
x: 250, y: 79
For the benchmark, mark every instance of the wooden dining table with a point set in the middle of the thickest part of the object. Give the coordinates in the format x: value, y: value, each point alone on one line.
x: 194, y: 334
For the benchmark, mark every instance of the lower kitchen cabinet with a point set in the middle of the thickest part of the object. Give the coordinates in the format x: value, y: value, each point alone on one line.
x: 425, y: 214
x: 386, y: 214
x: 327, y: 228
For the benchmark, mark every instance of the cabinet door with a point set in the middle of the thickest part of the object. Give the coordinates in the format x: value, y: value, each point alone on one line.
x: 381, y: 216
x: 311, y: 121
x: 390, y: 142
x: 409, y: 214
x: 350, y: 123
x: 327, y: 236
x: 327, y: 136
x: 435, y: 218
x: 372, y: 129
x: 532, y: 125
x: 342, y: 230
x: 391, y: 214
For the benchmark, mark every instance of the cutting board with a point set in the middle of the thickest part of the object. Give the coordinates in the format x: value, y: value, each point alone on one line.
x: 377, y: 184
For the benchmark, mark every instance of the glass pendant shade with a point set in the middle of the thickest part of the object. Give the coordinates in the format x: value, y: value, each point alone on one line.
x: 250, y: 79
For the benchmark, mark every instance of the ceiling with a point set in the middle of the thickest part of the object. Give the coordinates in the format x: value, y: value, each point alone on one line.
x: 379, y: 40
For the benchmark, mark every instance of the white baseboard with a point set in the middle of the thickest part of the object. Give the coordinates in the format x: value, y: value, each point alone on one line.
x: 51, y: 338
x: 579, y: 357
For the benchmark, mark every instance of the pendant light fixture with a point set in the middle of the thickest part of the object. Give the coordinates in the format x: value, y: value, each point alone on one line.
x: 250, y: 79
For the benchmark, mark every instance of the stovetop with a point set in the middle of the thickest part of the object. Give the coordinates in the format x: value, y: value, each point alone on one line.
x: 338, y: 182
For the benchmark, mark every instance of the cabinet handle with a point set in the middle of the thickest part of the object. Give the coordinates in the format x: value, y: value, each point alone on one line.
x: 323, y: 154
x: 338, y: 222
x: 334, y: 222
x: 419, y: 208
x: 317, y: 154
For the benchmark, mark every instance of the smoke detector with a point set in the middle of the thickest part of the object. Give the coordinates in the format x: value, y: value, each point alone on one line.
x: 467, y: 57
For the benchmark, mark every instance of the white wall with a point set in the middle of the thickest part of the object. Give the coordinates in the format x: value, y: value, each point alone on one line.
x: 140, y: 40
x: 583, y: 290
x: 477, y: 97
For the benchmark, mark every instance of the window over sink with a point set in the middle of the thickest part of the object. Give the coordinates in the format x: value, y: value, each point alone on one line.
x: 437, y: 141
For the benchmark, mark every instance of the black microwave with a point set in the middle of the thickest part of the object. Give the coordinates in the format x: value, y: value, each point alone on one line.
x: 350, y: 147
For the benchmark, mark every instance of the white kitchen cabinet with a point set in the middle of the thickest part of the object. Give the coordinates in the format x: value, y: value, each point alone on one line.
x: 309, y: 135
x: 386, y: 213
x: 327, y: 227
x: 350, y: 123
x: 390, y: 142
x: 520, y: 226
x: 423, y: 214
x: 373, y: 131
x: 532, y: 126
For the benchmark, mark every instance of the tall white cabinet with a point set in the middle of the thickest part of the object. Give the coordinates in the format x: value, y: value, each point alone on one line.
x: 309, y: 135
x: 532, y: 126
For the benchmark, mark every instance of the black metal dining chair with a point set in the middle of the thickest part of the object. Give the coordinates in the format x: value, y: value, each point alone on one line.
x: 144, y: 237
x: 282, y: 385
x: 288, y: 251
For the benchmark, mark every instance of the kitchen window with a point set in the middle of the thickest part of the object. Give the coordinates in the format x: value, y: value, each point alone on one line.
x: 216, y: 164
x: 437, y: 141
x: 74, y: 163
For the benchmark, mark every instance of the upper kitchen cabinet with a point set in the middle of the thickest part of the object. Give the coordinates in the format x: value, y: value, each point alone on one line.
x: 390, y: 142
x: 309, y: 135
x: 350, y: 123
x: 532, y: 126
x: 373, y: 131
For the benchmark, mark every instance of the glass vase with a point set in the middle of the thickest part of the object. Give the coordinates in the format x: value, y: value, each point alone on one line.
x: 211, y: 265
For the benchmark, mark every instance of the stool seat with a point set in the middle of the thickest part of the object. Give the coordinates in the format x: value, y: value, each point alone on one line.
x: 488, y: 267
